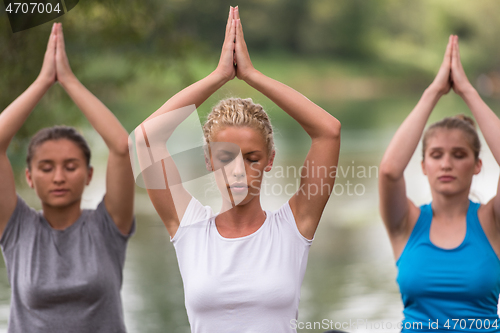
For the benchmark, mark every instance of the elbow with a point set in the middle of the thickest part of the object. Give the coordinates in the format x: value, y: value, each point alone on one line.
x: 331, y: 129
x: 335, y: 127
x: 389, y: 172
x: 122, y: 146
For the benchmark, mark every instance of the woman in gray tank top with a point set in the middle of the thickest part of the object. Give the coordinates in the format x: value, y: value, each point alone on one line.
x: 65, y: 264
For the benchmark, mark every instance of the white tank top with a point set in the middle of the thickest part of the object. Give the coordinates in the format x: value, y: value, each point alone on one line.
x: 248, y: 284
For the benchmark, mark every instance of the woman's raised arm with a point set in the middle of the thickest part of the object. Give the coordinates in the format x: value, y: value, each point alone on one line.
x: 199, y: 91
x: 487, y: 120
x: 309, y: 201
x: 396, y: 209
x: 172, y: 201
x: 11, y: 120
x: 120, y: 185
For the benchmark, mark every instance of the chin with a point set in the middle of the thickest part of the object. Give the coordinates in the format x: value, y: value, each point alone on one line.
x: 60, y: 202
x: 450, y: 191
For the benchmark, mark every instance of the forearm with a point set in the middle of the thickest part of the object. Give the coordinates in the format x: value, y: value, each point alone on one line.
x: 195, y: 94
x: 99, y: 116
x: 315, y: 121
x: 14, y: 116
x: 405, y: 141
x: 488, y: 121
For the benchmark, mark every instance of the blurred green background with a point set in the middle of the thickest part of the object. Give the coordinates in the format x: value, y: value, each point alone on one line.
x: 365, y: 62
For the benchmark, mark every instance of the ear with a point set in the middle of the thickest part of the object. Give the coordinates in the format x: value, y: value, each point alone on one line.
x: 208, y: 164
x: 422, y: 164
x: 29, y: 180
x: 478, y: 166
x: 269, y: 165
x: 90, y: 173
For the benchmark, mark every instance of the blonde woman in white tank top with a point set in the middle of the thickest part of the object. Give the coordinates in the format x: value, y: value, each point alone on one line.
x: 242, y: 269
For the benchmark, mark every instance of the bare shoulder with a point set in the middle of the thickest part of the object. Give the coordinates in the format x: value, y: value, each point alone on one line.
x: 489, y: 224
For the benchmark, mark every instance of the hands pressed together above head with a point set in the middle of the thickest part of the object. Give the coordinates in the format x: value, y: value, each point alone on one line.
x: 451, y: 74
x: 234, y: 60
x: 55, y: 66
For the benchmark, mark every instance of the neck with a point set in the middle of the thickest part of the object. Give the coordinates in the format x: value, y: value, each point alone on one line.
x: 242, y: 220
x: 450, y: 206
x: 61, y: 218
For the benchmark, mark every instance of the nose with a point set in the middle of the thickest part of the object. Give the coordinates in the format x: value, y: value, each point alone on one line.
x: 59, y: 175
x: 446, y: 162
x: 238, y: 168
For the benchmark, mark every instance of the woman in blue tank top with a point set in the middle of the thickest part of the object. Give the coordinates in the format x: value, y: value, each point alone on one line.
x: 446, y: 251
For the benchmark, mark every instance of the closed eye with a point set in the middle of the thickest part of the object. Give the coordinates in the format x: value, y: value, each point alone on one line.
x: 436, y: 155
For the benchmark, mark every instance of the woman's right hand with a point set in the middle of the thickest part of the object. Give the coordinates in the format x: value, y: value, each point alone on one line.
x: 226, y: 62
x: 442, y: 82
x: 63, y: 69
x: 48, y: 71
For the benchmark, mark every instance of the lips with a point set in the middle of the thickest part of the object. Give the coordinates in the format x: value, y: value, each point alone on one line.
x: 59, y: 192
x: 238, y: 187
x: 446, y: 178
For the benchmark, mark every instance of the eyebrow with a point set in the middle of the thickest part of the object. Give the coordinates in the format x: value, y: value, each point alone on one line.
x: 65, y: 161
x: 232, y: 152
x: 457, y: 147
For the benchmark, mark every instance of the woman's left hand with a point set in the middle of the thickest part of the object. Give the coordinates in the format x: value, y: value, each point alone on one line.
x: 242, y: 60
x: 63, y: 70
x: 460, y: 81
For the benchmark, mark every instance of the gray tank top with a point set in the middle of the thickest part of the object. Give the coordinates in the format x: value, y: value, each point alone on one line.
x: 64, y: 280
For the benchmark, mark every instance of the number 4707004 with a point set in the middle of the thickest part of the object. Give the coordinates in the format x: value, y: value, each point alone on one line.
x: 470, y: 323
x: 32, y: 8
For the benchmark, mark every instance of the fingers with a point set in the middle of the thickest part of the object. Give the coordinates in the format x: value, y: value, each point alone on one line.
x: 445, y: 68
x: 51, y: 45
x: 236, y: 12
x: 230, y: 36
x: 449, y: 50
x: 456, y: 51
x: 60, y: 39
x: 240, y: 45
x: 229, y: 20
x: 47, y: 73
x: 239, y: 29
x: 239, y: 32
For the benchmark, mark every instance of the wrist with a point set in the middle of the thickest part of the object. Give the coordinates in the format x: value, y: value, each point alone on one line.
x: 67, y: 80
x: 219, y: 78
x: 44, y: 82
x: 466, y: 91
x: 434, y: 92
x: 252, y: 76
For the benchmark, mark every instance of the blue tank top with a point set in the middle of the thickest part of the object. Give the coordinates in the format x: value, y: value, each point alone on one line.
x: 449, y: 290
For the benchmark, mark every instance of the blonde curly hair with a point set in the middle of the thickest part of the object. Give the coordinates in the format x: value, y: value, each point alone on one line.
x: 239, y: 112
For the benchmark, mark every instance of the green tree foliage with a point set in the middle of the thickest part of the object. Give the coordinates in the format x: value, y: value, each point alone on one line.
x: 114, y: 46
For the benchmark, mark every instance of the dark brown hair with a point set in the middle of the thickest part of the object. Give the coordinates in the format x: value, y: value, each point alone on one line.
x: 57, y: 133
x: 460, y: 122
